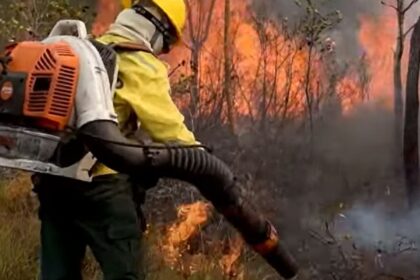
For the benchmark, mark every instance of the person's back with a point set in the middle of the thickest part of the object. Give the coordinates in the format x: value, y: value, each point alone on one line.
x: 143, y: 90
x: 106, y: 214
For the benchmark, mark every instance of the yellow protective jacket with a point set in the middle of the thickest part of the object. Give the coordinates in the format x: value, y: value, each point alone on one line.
x: 145, y: 93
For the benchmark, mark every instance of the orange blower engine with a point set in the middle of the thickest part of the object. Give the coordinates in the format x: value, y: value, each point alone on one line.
x: 56, y: 106
x: 46, y: 93
x: 38, y: 85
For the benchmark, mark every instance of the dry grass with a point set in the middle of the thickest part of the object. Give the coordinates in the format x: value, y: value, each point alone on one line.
x: 198, y: 258
x: 18, y: 225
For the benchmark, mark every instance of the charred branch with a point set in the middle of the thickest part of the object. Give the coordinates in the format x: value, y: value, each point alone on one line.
x: 408, y: 31
x: 409, y: 6
x: 389, y: 5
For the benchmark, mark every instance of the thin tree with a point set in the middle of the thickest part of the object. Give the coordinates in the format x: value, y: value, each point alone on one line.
x: 227, y: 93
x: 199, y: 20
x: 315, y: 24
x: 411, y: 145
x: 401, y: 8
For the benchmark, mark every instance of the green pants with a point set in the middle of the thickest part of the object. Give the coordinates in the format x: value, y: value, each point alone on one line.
x: 104, y: 215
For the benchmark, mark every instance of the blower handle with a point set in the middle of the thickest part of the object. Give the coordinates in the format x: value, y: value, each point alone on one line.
x: 69, y: 27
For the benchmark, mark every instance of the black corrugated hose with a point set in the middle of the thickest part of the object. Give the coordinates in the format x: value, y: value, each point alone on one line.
x: 211, y: 176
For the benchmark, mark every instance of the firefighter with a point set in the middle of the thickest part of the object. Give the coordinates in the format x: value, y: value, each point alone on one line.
x: 106, y: 213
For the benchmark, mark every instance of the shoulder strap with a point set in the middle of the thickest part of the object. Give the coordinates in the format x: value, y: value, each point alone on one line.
x: 128, y: 46
x: 109, y: 58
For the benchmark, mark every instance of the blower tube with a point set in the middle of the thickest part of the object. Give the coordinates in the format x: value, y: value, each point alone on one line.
x: 211, y: 176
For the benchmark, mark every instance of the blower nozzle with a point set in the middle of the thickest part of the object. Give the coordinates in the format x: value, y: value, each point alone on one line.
x: 276, y: 255
x: 212, y: 177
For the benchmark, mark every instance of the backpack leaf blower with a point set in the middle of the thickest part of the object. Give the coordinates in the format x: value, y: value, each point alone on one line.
x: 56, y: 108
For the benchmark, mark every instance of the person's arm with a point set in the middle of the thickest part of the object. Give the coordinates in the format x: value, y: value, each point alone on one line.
x: 146, y: 88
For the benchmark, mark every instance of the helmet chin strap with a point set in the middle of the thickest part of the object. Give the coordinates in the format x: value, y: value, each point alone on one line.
x: 157, y: 42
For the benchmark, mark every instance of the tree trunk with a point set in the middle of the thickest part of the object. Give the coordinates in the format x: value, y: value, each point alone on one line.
x: 264, y: 101
x: 195, y: 83
x: 398, y: 88
x: 308, y: 91
x: 411, y: 149
x: 398, y: 92
x: 228, y: 68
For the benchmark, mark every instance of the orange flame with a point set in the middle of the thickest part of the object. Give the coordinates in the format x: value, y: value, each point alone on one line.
x: 229, y: 261
x: 270, y: 67
x: 377, y: 37
x: 193, y: 216
x: 190, y: 219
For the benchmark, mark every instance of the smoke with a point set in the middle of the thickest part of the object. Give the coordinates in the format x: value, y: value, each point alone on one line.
x: 350, y: 9
x: 376, y: 212
x: 346, y: 33
x: 413, y: 15
x: 376, y: 226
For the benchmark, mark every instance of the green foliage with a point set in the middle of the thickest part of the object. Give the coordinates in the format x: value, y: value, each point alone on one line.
x: 33, y: 19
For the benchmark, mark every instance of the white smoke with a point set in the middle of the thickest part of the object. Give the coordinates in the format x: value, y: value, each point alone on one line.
x: 377, y: 227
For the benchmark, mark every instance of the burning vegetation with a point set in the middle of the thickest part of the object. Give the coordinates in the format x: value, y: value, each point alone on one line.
x: 312, y: 130
x: 277, y: 67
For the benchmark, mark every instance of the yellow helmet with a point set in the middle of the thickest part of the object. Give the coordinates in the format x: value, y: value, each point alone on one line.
x: 175, y: 10
x: 126, y: 4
